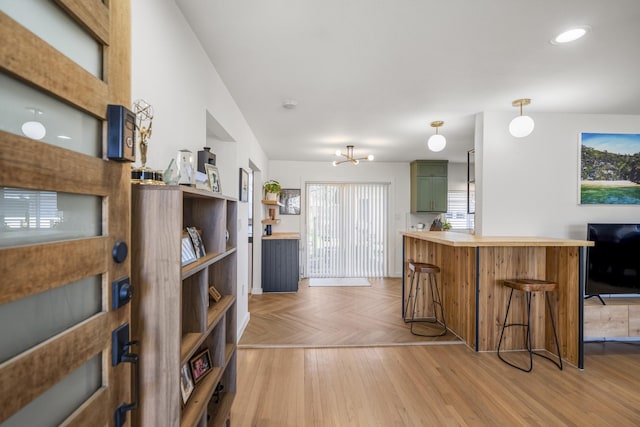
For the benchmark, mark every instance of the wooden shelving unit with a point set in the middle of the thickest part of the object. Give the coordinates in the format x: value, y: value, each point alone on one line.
x: 275, y: 206
x: 173, y: 317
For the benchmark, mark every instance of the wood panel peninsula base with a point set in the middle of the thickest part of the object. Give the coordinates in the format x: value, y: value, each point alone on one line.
x: 475, y: 301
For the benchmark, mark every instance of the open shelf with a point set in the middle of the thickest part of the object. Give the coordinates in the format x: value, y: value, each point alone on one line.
x: 272, y: 203
x: 222, y: 414
x: 271, y: 221
x: 173, y: 304
x: 197, y: 403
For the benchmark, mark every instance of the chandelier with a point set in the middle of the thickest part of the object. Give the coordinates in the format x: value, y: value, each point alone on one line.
x: 349, y: 157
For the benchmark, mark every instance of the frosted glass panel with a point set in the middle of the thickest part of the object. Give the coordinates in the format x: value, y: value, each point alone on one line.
x: 30, y: 216
x: 57, y: 403
x: 51, y: 24
x: 30, y: 321
x: 64, y: 126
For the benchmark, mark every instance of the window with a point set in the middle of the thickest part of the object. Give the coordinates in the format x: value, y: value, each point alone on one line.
x: 457, y: 212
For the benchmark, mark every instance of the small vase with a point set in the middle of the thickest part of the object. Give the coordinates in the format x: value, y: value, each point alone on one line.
x: 272, y: 196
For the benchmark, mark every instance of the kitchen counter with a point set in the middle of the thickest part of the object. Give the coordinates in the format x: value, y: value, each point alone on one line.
x: 452, y: 238
x: 473, y: 269
x: 282, y: 236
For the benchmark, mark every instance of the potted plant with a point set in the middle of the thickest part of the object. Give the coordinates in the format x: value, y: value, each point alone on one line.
x: 272, y: 188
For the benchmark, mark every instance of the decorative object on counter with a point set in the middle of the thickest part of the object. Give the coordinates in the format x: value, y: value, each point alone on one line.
x: 196, y: 239
x: 205, y: 157
x: 436, y: 142
x: 243, y: 193
x: 271, y: 189
x: 170, y: 175
x: 214, y: 178
x: 436, y: 225
x: 267, y: 230
x: 200, y: 365
x: 143, y: 124
x: 214, y: 294
x: 521, y: 126
x: 446, y: 225
x: 186, y: 173
x: 349, y: 157
x: 609, y: 169
x: 290, y: 201
x: 420, y: 226
x: 188, y: 253
x: 186, y: 383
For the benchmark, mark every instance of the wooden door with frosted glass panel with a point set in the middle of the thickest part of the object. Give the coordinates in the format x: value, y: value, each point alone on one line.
x: 63, y: 208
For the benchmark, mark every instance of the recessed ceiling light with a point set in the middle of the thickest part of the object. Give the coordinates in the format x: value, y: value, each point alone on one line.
x: 571, y: 35
x: 289, y: 104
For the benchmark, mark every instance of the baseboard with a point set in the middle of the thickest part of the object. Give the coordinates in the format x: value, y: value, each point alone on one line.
x: 256, y: 291
x: 244, y: 325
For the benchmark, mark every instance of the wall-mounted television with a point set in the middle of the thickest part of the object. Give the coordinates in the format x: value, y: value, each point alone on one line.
x: 613, y: 264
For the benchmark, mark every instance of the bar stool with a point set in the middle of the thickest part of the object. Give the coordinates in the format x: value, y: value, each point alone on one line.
x: 528, y: 286
x: 417, y: 268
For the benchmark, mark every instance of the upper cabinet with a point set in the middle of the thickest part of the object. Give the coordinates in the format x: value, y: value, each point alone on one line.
x: 429, y: 185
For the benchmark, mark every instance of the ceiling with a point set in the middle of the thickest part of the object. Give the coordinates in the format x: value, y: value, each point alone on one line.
x: 375, y: 73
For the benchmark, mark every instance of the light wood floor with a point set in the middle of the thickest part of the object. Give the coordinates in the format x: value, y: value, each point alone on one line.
x: 414, y: 385
x: 432, y: 386
x: 332, y: 316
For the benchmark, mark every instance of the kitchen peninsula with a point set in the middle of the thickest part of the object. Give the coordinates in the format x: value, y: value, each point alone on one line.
x: 475, y: 301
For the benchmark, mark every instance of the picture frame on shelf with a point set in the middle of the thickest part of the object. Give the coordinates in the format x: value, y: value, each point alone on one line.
x: 214, y: 294
x: 243, y: 194
x: 188, y: 252
x: 214, y: 178
x: 200, y: 365
x: 290, y: 201
x: 196, y: 240
x: 186, y: 383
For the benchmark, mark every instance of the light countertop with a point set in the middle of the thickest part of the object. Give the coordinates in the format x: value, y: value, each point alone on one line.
x: 282, y: 236
x: 452, y: 238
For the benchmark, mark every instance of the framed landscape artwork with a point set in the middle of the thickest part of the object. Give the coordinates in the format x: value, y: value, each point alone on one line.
x: 609, y: 169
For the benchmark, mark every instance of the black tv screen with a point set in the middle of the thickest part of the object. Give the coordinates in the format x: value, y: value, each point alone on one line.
x: 613, y: 264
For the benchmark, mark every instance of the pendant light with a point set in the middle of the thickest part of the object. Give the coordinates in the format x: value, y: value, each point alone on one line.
x: 521, y: 126
x: 437, y: 142
x: 349, y: 157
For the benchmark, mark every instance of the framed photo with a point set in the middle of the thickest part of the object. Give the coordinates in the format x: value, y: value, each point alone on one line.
x: 244, y: 186
x: 608, y: 175
x: 214, y: 294
x: 290, y: 201
x: 188, y: 253
x: 200, y: 365
x: 196, y: 240
x: 186, y: 383
x: 214, y: 178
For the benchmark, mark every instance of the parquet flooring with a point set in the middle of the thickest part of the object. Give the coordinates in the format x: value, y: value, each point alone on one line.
x: 433, y: 385
x: 332, y: 316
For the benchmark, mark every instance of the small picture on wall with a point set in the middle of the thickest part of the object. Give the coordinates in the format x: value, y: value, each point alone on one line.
x: 609, y: 168
x: 290, y: 201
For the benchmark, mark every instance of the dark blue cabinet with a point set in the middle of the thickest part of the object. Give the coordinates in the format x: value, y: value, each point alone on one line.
x: 280, y: 270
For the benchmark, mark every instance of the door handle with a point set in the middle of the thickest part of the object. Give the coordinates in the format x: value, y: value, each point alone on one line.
x: 120, y: 353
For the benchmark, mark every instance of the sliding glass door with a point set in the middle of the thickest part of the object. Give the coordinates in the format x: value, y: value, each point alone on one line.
x: 347, y: 229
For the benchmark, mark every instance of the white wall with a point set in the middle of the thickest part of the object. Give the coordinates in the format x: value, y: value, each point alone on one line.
x: 529, y: 186
x: 171, y: 71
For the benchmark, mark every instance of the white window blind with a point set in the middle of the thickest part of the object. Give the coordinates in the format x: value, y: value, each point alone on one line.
x: 28, y: 208
x: 346, y: 230
x: 457, y: 212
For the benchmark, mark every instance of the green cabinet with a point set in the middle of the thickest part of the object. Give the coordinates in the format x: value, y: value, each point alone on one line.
x: 429, y: 185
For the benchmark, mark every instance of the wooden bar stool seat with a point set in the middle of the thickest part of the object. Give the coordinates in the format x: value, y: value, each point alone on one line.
x: 418, y: 268
x: 528, y: 286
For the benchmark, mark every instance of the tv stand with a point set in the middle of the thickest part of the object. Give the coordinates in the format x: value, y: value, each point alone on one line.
x: 620, y: 317
x: 596, y: 296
